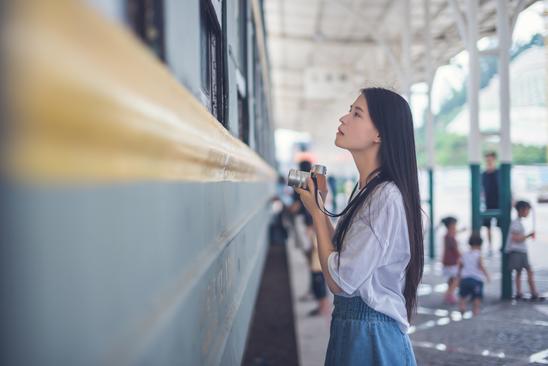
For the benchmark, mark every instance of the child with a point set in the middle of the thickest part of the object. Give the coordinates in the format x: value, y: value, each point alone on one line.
x: 472, y: 274
x: 517, y: 251
x: 451, y: 257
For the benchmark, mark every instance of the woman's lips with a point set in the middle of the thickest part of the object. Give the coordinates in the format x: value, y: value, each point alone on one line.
x: 339, y: 131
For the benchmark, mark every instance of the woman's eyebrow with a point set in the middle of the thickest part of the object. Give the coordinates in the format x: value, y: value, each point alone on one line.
x: 359, y: 108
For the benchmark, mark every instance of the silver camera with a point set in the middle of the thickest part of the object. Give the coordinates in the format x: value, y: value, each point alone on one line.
x: 298, y: 179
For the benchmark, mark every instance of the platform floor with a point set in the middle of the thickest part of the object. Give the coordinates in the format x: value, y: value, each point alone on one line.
x: 271, y: 339
x: 505, y: 333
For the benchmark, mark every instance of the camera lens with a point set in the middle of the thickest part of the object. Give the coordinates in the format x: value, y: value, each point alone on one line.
x: 297, y: 179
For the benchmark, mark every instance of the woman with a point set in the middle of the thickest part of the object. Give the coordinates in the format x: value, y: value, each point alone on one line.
x: 373, y: 260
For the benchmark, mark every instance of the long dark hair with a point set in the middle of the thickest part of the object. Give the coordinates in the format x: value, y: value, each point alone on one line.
x: 392, y: 117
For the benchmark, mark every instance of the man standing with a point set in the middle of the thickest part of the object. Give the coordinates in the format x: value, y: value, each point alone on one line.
x: 490, y: 182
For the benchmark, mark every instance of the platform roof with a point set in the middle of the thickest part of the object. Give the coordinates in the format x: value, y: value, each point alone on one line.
x: 323, y: 51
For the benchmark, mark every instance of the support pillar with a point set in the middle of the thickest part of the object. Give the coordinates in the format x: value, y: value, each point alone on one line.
x: 504, y: 37
x: 474, y: 139
x: 406, y: 49
x: 429, y: 128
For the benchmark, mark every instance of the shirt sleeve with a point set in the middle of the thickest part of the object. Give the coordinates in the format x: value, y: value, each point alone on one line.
x: 365, y: 243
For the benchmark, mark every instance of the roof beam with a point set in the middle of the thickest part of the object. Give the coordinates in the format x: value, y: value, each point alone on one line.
x: 377, y: 27
x: 328, y: 41
x: 459, y: 20
x: 377, y: 33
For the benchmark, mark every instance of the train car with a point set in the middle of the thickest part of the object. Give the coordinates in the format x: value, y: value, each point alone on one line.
x: 138, y: 169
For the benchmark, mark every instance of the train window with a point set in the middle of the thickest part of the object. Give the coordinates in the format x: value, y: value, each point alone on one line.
x: 146, y: 17
x: 212, y: 74
x: 258, y: 99
x: 242, y: 36
x: 243, y: 119
x: 241, y: 73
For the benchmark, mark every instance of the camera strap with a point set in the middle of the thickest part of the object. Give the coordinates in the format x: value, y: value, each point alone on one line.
x: 364, y: 190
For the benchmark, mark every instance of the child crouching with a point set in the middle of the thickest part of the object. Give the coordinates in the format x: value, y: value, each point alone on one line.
x: 472, y: 273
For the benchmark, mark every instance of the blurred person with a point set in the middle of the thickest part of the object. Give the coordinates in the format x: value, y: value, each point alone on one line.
x: 303, y: 230
x: 278, y: 228
x: 284, y: 192
x: 451, y: 256
x: 302, y: 218
x: 373, y: 260
x: 308, y: 244
x: 317, y: 281
x: 516, y: 247
x: 490, y: 180
x: 472, y: 275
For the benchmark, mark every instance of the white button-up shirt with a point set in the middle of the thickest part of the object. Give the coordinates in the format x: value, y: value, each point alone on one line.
x: 375, y: 254
x: 516, y: 227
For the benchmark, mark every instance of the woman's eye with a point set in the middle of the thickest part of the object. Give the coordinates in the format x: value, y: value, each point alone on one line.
x: 356, y: 114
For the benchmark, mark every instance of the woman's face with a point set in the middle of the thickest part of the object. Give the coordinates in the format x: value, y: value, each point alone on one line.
x: 357, y: 131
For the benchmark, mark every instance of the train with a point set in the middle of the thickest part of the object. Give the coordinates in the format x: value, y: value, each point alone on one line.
x: 138, y: 169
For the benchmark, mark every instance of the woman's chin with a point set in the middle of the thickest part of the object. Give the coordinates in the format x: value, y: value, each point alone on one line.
x: 338, y: 141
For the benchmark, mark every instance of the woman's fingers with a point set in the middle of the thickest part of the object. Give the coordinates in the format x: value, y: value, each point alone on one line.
x: 311, y: 185
x: 301, y: 191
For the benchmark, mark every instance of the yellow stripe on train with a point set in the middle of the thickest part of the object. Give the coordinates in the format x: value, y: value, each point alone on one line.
x: 91, y: 103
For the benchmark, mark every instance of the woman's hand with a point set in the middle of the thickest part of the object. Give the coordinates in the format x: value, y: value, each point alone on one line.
x: 308, y: 200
